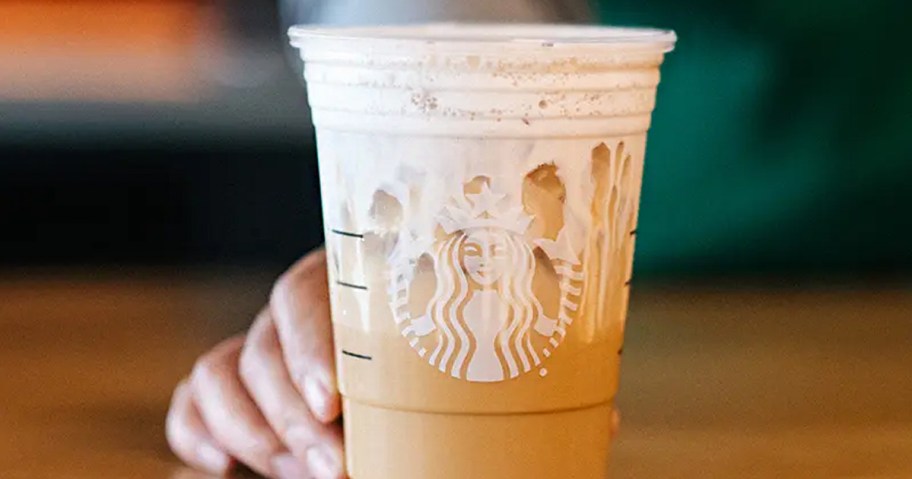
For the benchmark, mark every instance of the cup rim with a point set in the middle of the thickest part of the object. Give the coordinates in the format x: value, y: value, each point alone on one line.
x: 490, y: 35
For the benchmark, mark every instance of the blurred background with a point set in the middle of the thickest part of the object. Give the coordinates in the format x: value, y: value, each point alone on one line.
x: 175, y: 132
x: 158, y: 170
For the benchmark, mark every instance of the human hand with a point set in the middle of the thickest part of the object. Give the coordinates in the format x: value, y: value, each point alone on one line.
x: 267, y: 399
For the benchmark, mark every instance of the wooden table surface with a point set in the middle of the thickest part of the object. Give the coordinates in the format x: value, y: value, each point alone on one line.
x: 718, y: 382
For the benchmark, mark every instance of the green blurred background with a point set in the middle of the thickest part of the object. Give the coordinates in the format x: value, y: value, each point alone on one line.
x: 781, y: 142
x: 175, y: 132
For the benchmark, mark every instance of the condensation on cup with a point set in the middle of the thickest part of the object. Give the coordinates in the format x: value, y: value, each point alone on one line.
x: 480, y: 193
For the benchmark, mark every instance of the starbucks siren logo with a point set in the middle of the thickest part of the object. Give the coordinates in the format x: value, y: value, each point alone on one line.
x: 483, y: 322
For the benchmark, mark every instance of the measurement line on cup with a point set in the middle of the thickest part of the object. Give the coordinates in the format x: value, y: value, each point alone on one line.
x: 348, y: 234
x: 633, y: 233
x: 350, y: 285
x: 358, y: 356
x: 627, y: 283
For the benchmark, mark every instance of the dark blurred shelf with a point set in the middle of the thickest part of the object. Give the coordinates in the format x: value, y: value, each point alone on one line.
x: 148, y: 205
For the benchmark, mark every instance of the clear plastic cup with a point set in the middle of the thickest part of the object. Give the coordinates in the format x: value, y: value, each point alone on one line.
x: 480, y: 192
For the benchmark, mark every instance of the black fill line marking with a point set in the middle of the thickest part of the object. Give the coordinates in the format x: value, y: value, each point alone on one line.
x: 348, y: 233
x: 350, y: 285
x: 356, y: 355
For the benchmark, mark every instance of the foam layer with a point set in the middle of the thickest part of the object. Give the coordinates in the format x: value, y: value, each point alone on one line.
x: 458, y: 80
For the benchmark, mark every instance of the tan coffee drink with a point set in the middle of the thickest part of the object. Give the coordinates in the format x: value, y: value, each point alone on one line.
x: 480, y: 188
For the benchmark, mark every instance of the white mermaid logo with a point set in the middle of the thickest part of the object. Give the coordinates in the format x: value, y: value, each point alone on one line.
x: 484, y: 322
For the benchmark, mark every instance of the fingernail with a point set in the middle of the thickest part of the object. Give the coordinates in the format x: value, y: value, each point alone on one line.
x: 212, y: 458
x: 286, y: 466
x: 318, y: 396
x: 323, y: 463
